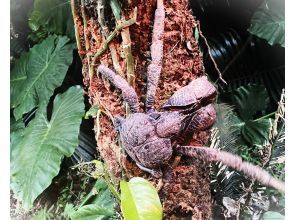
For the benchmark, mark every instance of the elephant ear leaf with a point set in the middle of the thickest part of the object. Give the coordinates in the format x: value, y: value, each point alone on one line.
x: 37, y: 73
x: 269, y: 22
x: 249, y: 100
x: 53, y: 17
x: 38, y: 155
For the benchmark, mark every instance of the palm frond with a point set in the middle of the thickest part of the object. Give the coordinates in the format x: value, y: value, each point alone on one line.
x: 274, y: 148
x: 225, y: 182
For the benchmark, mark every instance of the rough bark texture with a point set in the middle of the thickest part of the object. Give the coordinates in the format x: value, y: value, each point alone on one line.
x: 187, y: 195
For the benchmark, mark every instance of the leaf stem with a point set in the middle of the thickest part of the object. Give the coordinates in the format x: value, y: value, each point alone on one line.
x: 110, y: 186
x: 266, y: 116
x: 210, y: 55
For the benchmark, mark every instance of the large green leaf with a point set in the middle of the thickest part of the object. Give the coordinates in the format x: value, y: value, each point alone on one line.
x: 139, y: 200
x: 269, y: 22
x: 249, y: 100
x: 45, y: 142
x: 37, y: 73
x: 272, y: 216
x: 256, y: 132
x: 53, y: 16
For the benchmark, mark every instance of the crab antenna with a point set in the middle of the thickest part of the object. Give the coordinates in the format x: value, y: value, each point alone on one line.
x: 128, y: 93
x: 154, y: 68
x: 213, y: 155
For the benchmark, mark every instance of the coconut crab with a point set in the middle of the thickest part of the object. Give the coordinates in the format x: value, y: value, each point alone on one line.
x: 151, y: 138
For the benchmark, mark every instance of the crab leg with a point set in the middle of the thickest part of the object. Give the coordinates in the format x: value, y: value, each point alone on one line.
x: 154, y: 68
x: 128, y: 93
x: 213, y: 155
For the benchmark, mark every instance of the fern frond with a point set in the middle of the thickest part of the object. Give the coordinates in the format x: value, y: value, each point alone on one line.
x: 227, y: 128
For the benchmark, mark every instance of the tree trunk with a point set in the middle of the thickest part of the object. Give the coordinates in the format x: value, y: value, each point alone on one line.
x: 187, y: 195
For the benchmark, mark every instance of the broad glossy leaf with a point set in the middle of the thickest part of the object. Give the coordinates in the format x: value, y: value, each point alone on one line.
x: 268, y: 22
x: 54, y: 16
x: 37, y: 73
x: 45, y: 142
x: 256, y: 132
x: 272, y: 216
x: 92, y: 212
x: 139, y: 200
x: 249, y: 100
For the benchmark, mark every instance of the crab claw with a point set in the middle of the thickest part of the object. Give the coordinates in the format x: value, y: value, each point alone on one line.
x: 203, y: 119
x: 198, y: 92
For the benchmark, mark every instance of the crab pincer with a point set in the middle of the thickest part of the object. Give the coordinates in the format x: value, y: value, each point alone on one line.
x: 196, y: 93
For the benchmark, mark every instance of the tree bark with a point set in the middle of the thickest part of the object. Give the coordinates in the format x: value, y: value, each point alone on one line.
x: 187, y: 195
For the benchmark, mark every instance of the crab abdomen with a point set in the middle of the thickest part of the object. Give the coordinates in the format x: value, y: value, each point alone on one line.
x: 155, y: 153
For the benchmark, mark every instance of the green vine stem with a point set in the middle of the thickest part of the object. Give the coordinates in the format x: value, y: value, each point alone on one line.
x: 126, y: 38
x: 266, y: 116
x: 127, y: 49
x: 101, y: 20
x: 126, y: 42
x: 110, y: 186
x: 115, y: 60
x: 104, y: 45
